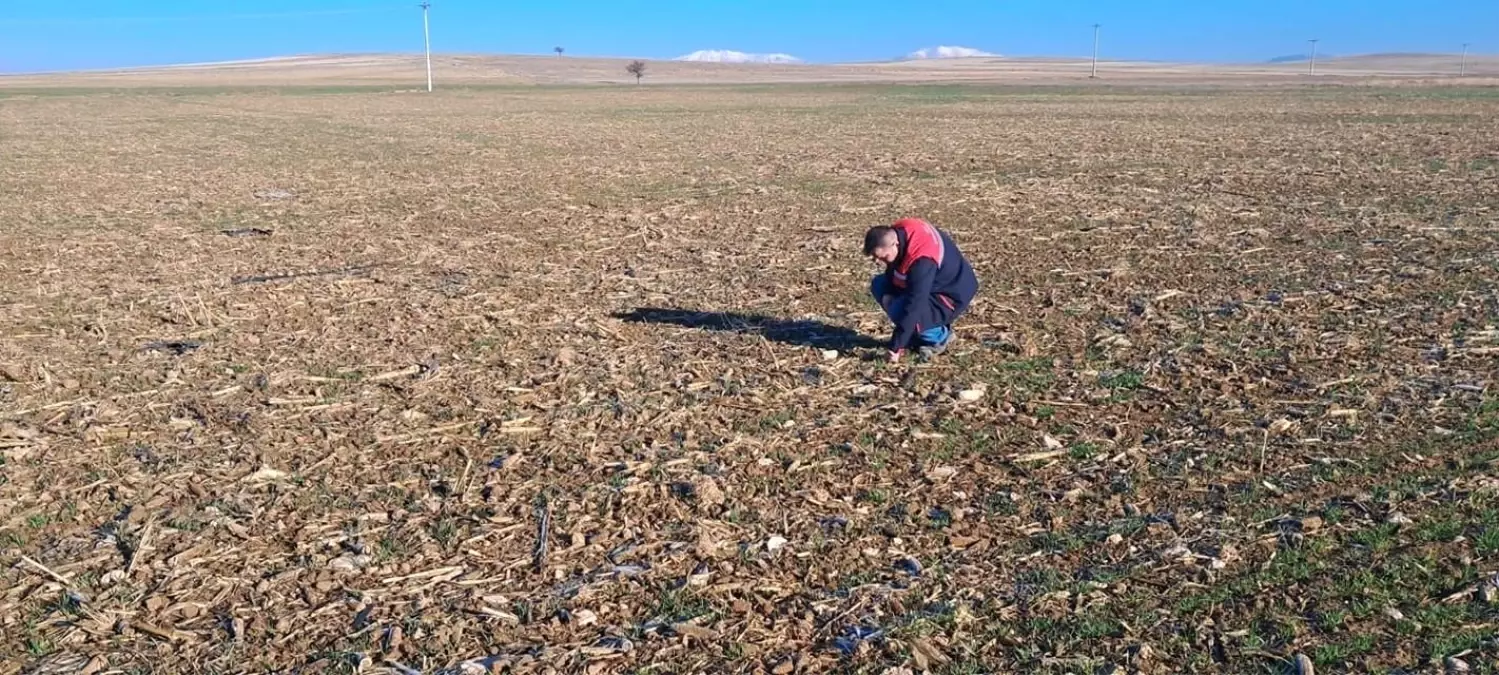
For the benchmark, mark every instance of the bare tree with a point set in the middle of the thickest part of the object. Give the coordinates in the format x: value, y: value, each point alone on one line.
x: 636, y: 68
x: 558, y: 50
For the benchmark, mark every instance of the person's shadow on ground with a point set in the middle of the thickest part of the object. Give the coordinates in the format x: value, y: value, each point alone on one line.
x: 804, y: 333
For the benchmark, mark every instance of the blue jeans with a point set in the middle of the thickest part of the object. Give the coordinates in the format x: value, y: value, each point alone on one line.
x: 934, y: 322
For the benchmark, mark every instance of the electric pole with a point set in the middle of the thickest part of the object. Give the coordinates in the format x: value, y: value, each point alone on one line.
x: 1095, y: 52
x: 1313, y: 59
x: 1462, y: 71
x: 427, y: 38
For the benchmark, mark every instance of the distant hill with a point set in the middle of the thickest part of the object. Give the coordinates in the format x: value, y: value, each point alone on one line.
x: 1294, y: 58
x: 1411, y: 62
x: 409, y: 71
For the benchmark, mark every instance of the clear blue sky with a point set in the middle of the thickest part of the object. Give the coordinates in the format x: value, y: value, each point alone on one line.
x: 70, y: 34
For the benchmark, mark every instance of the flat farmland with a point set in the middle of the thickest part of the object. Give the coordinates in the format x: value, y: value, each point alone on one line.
x: 580, y: 380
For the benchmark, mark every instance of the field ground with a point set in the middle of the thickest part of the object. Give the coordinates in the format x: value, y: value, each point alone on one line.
x: 409, y: 71
x: 297, y: 381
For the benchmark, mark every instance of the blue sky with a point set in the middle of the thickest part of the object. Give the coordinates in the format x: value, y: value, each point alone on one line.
x: 60, y: 35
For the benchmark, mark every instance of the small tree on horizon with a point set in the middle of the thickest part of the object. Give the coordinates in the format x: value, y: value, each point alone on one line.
x: 558, y: 50
x: 636, y: 68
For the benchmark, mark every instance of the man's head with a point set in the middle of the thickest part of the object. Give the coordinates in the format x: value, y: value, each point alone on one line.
x: 881, y: 243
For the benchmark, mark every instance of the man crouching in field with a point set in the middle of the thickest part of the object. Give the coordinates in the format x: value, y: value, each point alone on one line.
x: 926, y: 284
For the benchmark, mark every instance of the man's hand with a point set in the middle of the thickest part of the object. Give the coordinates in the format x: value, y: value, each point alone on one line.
x: 896, y: 354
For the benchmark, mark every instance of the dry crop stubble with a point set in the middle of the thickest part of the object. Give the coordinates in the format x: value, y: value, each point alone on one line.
x: 297, y: 381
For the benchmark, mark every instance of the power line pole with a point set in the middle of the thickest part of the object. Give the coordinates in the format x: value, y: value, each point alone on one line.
x: 427, y: 38
x: 1462, y: 70
x: 1313, y: 60
x: 1094, y: 74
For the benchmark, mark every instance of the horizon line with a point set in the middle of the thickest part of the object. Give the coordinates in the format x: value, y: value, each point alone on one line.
x: 678, y: 59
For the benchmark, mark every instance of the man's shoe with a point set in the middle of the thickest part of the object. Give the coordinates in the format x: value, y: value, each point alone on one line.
x: 927, y: 352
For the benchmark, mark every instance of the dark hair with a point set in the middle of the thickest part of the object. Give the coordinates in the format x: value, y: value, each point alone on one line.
x: 876, y: 237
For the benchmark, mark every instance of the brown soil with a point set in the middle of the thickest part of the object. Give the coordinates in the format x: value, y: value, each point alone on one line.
x: 535, y: 380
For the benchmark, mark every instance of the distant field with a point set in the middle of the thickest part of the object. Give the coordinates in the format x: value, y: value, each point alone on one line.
x: 572, y: 380
x: 396, y: 70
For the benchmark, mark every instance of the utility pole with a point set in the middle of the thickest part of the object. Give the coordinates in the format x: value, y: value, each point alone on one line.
x: 1462, y: 70
x: 1313, y: 60
x: 427, y: 38
x: 1095, y: 52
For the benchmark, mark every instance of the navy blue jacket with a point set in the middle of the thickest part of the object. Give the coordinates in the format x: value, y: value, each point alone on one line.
x: 935, y: 292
